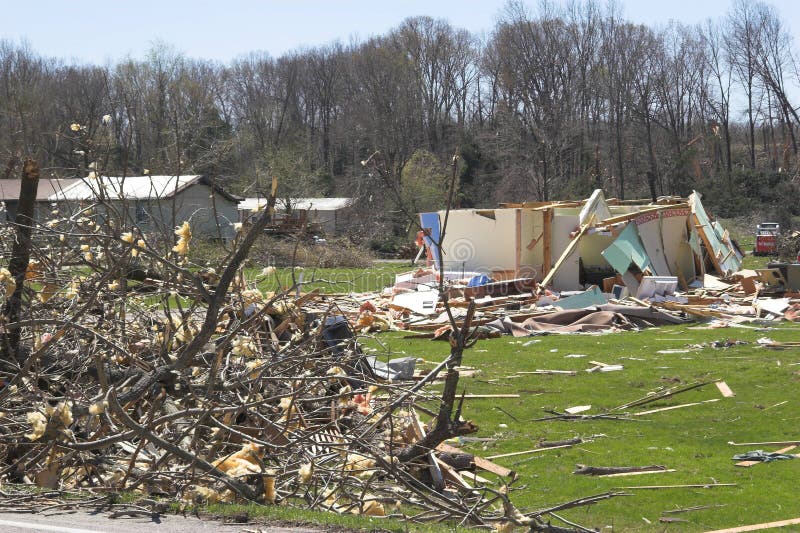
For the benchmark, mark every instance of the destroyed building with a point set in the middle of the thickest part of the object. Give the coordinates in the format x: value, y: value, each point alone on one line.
x: 573, y: 245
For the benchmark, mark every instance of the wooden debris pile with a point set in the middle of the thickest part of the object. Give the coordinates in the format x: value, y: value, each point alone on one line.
x: 738, y: 299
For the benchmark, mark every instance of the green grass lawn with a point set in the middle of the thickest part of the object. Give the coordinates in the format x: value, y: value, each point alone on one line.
x: 332, y: 280
x: 693, y: 440
x: 276, y: 514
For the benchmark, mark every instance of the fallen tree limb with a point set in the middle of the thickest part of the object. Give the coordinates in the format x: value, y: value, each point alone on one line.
x: 660, y: 395
x: 237, y: 486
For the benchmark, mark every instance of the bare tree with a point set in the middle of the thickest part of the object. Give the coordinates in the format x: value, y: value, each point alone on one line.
x: 741, y: 43
x: 717, y: 94
x: 773, y: 59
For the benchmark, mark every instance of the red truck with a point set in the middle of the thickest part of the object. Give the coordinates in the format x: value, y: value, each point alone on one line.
x: 767, y: 238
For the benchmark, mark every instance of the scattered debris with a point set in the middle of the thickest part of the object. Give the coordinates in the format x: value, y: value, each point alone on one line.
x: 755, y: 457
x: 547, y: 372
x: 671, y: 520
x: 672, y: 407
x: 220, y: 392
x: 577, y: 409
x: 687, y: 486
x: 769, y: 343
x: 694, y: 508
x: 603, y: 367
x: 555, y: 415
x: 660, y: 395
x: 608, y: 471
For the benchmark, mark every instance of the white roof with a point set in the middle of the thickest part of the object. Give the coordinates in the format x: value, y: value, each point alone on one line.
x: 129, y: 187
x: 319, y: 204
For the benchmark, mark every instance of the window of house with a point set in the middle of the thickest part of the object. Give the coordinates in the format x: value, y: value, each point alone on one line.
x: 141, y: 213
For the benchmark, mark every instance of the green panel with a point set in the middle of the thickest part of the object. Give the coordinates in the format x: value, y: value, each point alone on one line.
x: 593, y: 296
x: 627, y: 248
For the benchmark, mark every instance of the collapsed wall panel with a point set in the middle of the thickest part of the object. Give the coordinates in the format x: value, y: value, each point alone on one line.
x: 675, y: 237
x: 477, y: 240
x: 665, y: 238
x: 725, y: 255
x: 648, y: 226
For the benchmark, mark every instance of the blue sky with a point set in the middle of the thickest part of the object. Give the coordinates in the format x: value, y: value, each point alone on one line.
x: 96, y: 32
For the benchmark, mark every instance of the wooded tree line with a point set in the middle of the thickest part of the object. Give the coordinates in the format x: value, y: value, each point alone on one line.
x: 556, y: 100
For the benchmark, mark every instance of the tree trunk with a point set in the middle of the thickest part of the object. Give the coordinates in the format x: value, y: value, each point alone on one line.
x: 752, y: 126
x: 20, y: 257
x: 728, y: 160
x: 620, y: 159
x: 652, y: 174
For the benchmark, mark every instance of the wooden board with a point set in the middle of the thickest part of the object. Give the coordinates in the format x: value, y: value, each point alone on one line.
x: 546, y: 372
x: 450, y: 474
x: 475, y: 478
x: 637, y: 214
x: 488, y: 396
x: 480, y: 462
x: 685, y: 486
x: 567, y: 252
x: 671, y: 407
x: 547, y: 220
x: 525, y: 452
x: 724, y: 389
x: 626, y: 474
x: 535, y: 241
x: 758, y: 527
x: 769, y: 443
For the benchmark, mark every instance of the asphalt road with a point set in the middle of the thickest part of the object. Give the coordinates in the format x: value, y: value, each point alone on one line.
x: 81, y: 522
